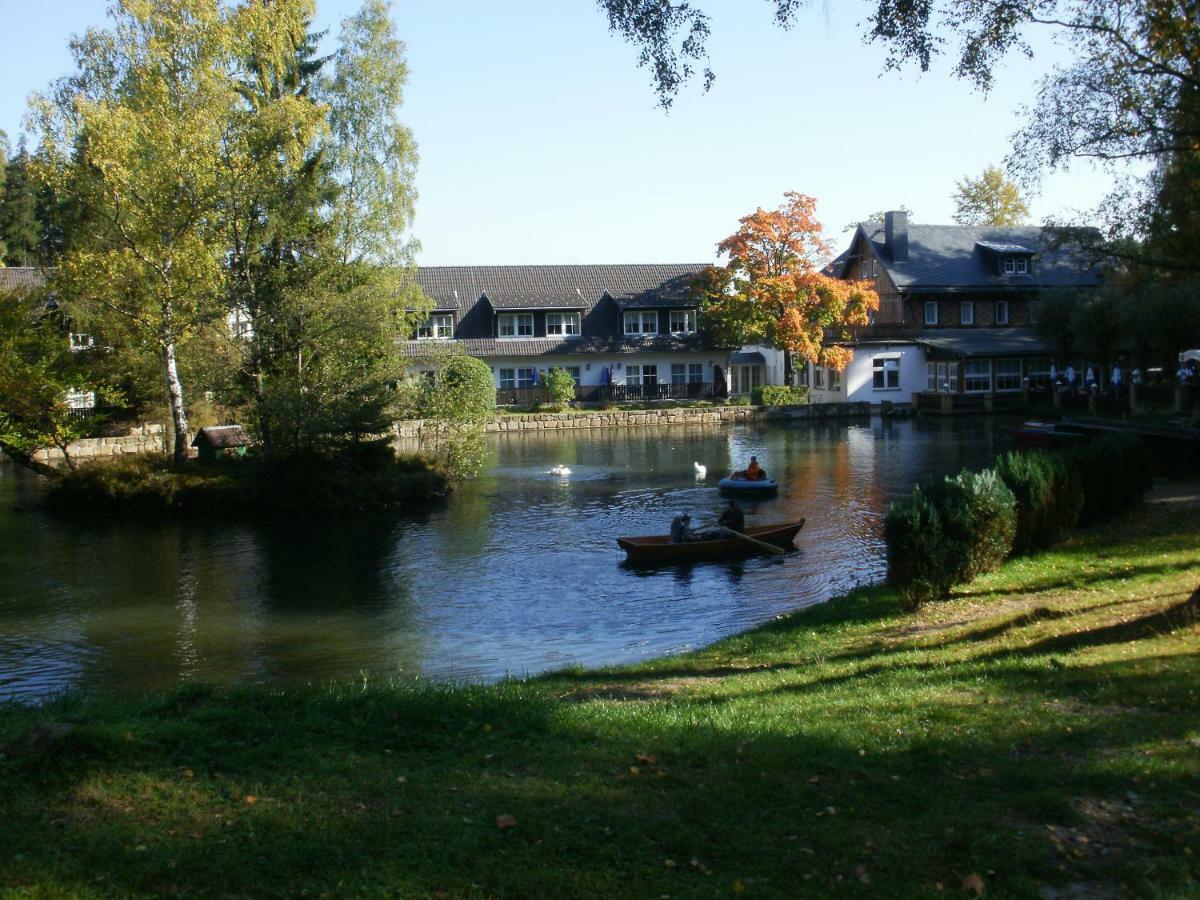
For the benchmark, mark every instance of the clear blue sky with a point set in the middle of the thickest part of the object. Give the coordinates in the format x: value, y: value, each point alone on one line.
x: 540, y: 140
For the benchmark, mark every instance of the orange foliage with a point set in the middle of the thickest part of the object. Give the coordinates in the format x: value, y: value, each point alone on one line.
x: 772, y: 286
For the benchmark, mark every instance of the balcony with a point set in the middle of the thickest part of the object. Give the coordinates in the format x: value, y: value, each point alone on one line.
x: 610, y: 393
x: 860, y: 333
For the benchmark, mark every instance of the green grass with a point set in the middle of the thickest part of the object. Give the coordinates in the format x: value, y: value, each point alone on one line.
x: 1040, y: 731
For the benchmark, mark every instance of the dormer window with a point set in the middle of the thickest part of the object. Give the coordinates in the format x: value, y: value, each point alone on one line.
x: 641, y: 322
x: 516, y: 325
x: 1016, y: 265
x: 683, y: 321
x: 438, y: 327
x: 562, y: 324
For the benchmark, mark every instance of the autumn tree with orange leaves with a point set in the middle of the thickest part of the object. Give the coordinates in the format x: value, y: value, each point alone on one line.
x: 772, y: 291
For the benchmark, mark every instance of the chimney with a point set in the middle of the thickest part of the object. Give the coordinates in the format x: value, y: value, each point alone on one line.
x: 895, y: 235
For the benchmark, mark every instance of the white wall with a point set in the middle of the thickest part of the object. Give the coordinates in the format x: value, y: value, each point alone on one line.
x: 858, y: 379
x: 597, y: 362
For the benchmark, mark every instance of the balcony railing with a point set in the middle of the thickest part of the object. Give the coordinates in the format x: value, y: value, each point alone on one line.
x: 610, y: 393
x: 873, y: 333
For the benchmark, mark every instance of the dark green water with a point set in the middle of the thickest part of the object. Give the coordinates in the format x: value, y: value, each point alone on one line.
x: 518, y: 574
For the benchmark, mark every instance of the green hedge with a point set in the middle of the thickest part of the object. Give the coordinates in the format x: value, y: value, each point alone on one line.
x: 1049, y: 495
x: 780, y: 395
x: 1115, y: 470
x: 948, y: 532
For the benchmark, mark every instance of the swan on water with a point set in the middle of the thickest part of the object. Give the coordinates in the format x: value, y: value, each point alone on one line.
x: 560, y: 470
x: 701, y: 471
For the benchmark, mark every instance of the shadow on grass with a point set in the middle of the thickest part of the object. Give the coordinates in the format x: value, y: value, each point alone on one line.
x: 205, y: 792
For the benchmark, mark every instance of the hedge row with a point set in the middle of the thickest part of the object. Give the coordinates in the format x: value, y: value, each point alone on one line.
x: 951, y: 530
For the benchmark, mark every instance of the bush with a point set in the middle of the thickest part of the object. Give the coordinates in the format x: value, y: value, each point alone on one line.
x: 560, y: 386
x: 948, y: 532
x: 780, y: 395
x: 1115, y: 471
x: 1049, y: 497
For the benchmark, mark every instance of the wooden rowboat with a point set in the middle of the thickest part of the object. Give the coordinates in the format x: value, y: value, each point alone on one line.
x: 658, y: 547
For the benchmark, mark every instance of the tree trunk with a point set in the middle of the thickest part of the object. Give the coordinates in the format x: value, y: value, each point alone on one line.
x: 178, y: 413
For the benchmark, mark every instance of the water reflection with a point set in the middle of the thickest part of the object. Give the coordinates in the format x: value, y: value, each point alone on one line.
x: 518, y: 573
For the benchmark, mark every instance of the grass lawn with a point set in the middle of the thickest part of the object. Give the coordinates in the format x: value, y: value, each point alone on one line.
x: 1038, y: 735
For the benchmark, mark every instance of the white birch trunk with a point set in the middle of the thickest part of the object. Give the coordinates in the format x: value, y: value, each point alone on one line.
x: 178, y: 413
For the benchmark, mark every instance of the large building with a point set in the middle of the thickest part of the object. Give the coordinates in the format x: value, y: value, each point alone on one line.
x: 958, y: 309
x: 628, y: 332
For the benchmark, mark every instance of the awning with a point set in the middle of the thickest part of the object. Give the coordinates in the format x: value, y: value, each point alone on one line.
x: 747, y: 359
x: 983, y: 341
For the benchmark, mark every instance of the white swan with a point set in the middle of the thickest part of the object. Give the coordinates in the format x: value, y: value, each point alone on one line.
x: 560, y: 470
x: 701, y: 471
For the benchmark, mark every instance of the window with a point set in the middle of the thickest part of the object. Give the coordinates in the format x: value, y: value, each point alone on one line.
x: 746, y: 379
x: 802, y: 375
x: 439, y: 326
x: 864, y: 269
x: 508, y: 378
x: 1038, y: 370
x: 1016, y: 265
x: 643, y: 322
x: 966, y: 312
x: 573, y: 371
x: 683, y: 321
x: 835, y: 380
x: 525, y: 378
x: 874, y: 267
x: 86, y: 341
x: 885, y: 373
x: 1008, y: 375
x: 977, y: 376
x: 641, y: 375
x: 562, y: 324
x: 819, y: 377
x: 687, y: 373
x: 1035, y: 311
x: 516, y: 325
x: 1022, y: 266
x: 1010, y: 265
x: 1001, y: 312
x: 931, y: 317
x: 941, y: 377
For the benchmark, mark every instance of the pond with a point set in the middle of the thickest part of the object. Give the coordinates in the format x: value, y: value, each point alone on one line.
x: 519, y: 573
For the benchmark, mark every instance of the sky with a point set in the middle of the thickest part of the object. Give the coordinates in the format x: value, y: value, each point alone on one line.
x: 541, y: 141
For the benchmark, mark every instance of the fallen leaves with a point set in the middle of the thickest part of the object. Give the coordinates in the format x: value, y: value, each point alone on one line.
x: 506, y: 821
x: 973, y: 884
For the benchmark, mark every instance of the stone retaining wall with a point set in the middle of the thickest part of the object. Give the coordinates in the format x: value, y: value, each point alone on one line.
x: 642, y: 418
x: 139, y: 439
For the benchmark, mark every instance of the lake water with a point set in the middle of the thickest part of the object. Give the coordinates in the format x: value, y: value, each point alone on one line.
x: 517, y: 574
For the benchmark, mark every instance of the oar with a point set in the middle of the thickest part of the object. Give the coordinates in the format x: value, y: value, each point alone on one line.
x: 778, y: 551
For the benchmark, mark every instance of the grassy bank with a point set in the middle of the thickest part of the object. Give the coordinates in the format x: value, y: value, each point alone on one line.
x: 373, y: 478
x: 1037, y: 735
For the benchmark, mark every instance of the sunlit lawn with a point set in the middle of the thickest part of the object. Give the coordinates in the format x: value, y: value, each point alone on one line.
x: 1039, y: 734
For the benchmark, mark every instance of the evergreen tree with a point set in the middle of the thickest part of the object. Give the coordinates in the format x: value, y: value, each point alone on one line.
x: 19, y: 228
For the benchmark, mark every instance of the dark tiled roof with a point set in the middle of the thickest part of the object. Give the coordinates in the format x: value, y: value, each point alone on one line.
x: 491, y: 347
x: 956, y: 258
x: 551, y: 287
x: 983, y: 341
x: 21, y: 277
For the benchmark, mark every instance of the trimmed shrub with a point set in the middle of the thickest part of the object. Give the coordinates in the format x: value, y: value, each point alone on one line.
x: 780, y: 395
x: 561, y: 388
x: 948, y: 532
x: 1049, y: 494
x: 1115, y: 471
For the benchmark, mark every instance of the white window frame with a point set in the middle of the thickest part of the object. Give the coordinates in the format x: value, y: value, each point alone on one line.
x: 87, y: 342
x: 1008, y: 379
x: 1001, y: 312
x: 1038, y: 371
x: 525, y: 377
x: 984, y: 370
x: 931, y: 306
x: 885, y: 373
x: 575, y: 373
x: 966, y: 312
x: 519, y: 325
x: 747, y: 378
x: 683, y: 321
x: 640, y: 319
x: 835, y: 379
x: 864, y: 270
x: 562, y: 324
x: 687, y: 373
x: 818, y: 378
x: 1010, y: 265
x: 438, y: 327
x: 1022, y: 266
x: 642, y: 373
x: 941, y: 377
x: 874, y: 267
x: 507, y: 379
